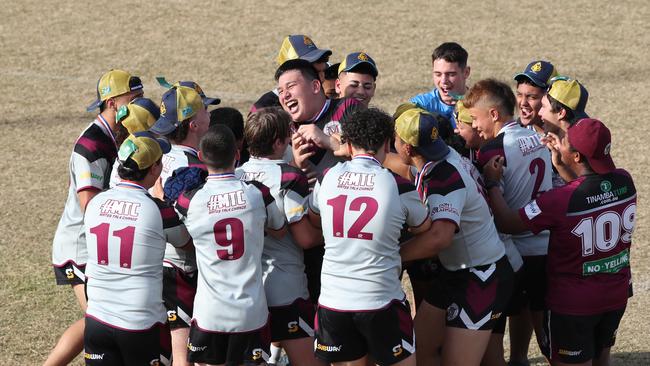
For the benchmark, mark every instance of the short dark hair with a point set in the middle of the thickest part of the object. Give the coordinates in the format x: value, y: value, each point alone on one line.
x: 218, y: 147
x: 450, y: 52
x: 230, y: 117
x: 332, y: 72
x: 496, y: 93
x: 525, y: 80
x: 121, y: 133
x: 556, y: 107
x: 368, y: 129
x: 180, y: 133
x: 129, y: 170
x: 305, y: 67
x: 264, y: 127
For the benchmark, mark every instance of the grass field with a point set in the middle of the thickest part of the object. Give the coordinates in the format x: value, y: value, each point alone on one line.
x: 52, y: 52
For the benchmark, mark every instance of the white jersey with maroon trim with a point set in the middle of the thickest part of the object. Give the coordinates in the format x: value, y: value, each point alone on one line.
x: 454, y: 195
x: 180, y: 156
x: 363, y: 208
x: 126, y: 232
x: 527, y: 172
x: 226, y: 218
x: 283, y: 265
x: 90, y: 166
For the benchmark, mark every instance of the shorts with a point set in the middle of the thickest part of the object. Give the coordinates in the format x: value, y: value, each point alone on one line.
x: 386, y: 334
x: 579, y: 338
x: 530, y: 287
x: 424, y: 269
x: 179, y: 289
x: 475, y: 298
x: 292, y: 321
x: 105, y: 345
x: 248, y: 348
x: 70, y: 273
x: 313, y: 258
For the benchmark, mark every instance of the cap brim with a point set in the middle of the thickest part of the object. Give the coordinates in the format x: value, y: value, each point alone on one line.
x: 315, y: 55
x: 373, y: 68
x: 94, y: 105
x: 532, y: 79
x: 579, y: 115
x: 211, y: 101
x: 434, y: 151
x: 602, y: 166
x: 163, y: 126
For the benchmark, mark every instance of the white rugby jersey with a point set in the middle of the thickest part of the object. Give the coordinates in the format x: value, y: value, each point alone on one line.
x: 363, y: 207
x: 126, y: 232
x: 283, y: 265
x: 527, y: 172
x: 556, y: 179
x: 90, y: 166
x: 226, y: 218
x: 454, y: 195
x: 179, y: 156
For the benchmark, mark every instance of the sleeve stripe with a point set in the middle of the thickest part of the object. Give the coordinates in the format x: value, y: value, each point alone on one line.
x: 453, y: 179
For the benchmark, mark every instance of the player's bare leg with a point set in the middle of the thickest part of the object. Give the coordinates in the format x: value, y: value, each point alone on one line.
x: 179, y: 346
x: 429, y: 324
x: 464, y: 347
x: 301, y: 352
x: 71, y: 342
x: 494, y: 353
x: 521, y: 329
x: 604, y: 358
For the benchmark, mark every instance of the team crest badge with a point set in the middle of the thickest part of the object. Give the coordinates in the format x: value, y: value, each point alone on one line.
x: 605, y: 186
x: 434, y: 133
x: 307, y: 41
x: 163, y: 109
x: 537, y: 67
x: 362, y: 57
x: 198, y: 89
x: 452, y: 312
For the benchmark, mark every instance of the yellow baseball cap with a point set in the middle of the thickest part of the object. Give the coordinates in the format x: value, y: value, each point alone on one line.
x: 462, y: 113
x: 419, y: 129
x: 143, y: 149
x: 571, y: 94
x: 179, y: 104
x: 112, y: 84
x: 300, y: 46
x: 139, y: 115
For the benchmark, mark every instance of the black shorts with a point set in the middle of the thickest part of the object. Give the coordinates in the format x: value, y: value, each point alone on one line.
x: 105, y: 345
x: 248, y: 348
x: 179, y: 289
x: 386, y: 334
x: 424, y: 269
x: 313, y: 258
x: 579, y: 338
x: 530, y: 287
x: 70, y: 273
x: 475, y: 298
x: 292, y: 321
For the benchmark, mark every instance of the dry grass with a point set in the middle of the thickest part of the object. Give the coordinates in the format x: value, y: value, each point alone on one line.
x: 52, y: 53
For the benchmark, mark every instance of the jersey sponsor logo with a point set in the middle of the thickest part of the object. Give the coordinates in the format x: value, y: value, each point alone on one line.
x: 257, y: 354
x: 91, y: 175
x: 154, y: 362
x: 605, y: 186
x: 325, y: 348
x: 452, y: 311
x: 258, y: 176
x: 226, y: 202
x: 530, y: 144
x: 566, y: 352
x: 496, y: 316
x: 94, y: 356
x: 608, y: 194
x: 171, y: 315
x: 117, y: 209
x: 292, y: 327
x: 397, y: 350
x: 332, y: 127
x: 445, y: 207
x: 532, y: 210
x: 69, y: 273
x: 357, y: 181
x: 611, y: 264
x: 194, y: 348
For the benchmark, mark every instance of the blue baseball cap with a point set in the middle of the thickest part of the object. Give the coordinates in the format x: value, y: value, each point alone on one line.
x: 539, y: 73
x: 302, y: 47
x: 359, y: 61
x: 178, y: 104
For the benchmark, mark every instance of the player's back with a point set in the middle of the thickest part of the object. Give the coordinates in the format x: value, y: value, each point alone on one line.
x: 282, y: 259
x: 527, y: 172
x: 363, y: 207
x: 226, y: 218
x: 126, y: 243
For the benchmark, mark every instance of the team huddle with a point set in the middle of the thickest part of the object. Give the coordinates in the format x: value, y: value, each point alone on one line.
x: 195, y: 236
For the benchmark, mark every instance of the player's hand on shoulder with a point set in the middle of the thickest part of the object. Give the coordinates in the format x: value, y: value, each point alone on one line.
x: 493, y: 169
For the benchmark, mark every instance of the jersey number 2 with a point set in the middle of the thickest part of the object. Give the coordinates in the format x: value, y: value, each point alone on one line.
x: 229, y: 234
x: 338, y: 207
x: 126, y: 244
x: 537, y: 166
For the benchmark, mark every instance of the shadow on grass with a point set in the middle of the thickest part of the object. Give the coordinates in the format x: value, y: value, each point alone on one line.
x: 618, y: 359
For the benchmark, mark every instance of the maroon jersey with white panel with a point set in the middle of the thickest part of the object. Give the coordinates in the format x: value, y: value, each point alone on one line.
x: 363, y: 207
x: 526, y: 172
x: 226, y: 218
x: 591, y: 220
x: 283, y: 264
x: 126, y: 232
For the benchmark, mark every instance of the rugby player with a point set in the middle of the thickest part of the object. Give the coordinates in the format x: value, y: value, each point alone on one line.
x: 90, y: 167
x: 591, y: 220
x: 362, y: 310
x: 471, y: 290
x: 532, y: 84
x: 357, y: 77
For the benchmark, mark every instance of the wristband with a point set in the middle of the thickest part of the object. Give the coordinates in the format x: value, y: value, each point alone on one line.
x: 489, y: 184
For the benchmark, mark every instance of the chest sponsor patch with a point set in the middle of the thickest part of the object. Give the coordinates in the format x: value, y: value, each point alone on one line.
x: 611, y: 264
x: 532, y: 210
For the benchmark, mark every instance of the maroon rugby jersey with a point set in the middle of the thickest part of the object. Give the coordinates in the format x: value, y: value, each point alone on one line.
x: 591, y: 220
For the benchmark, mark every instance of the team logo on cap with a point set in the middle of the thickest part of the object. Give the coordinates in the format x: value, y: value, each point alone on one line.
x: 537, y: 67
x: 362, y: 57
x: 607, y: 148
x: 307, y: 41
x: 105, y: 90
x: 187, y: 111
x: 198, y: 89
x: 163, y: 109
x: 434, y: 133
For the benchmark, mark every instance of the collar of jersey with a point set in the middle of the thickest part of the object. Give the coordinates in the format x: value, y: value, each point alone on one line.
x: 187, y: 149
x: 103, y: 124
x: 322, y: 111
x: 507, y: 125
x: 366, y: 157
x: 221, y: 176
x: 129, y: 184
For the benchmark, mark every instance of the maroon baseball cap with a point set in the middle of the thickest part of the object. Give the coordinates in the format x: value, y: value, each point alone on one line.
x: 592, y: 138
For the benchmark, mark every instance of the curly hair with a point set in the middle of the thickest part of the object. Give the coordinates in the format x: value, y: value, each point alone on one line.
x: 368, y: 129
